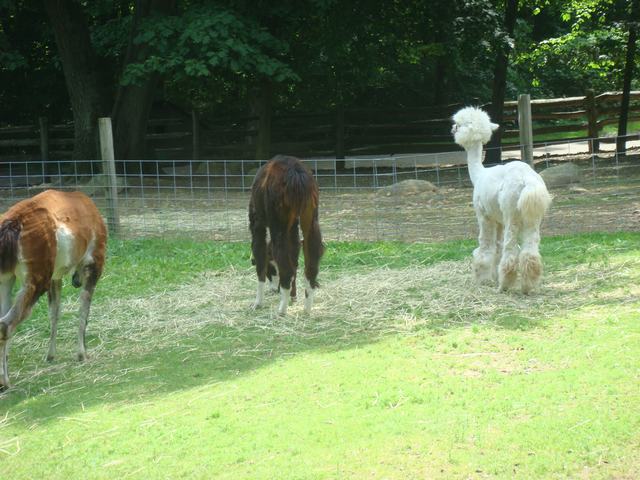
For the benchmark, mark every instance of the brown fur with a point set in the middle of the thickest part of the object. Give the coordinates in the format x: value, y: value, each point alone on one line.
x: 39, y: 217
x: 9, y: 234
x: 285, y: 193
x: 29, y: 247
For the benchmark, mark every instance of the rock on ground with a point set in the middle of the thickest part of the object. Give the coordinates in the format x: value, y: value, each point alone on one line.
x: 408, y: 187
x: 561, y: 175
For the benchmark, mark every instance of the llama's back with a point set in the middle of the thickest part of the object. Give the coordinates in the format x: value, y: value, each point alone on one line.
x: 532, y: 199
x: 42, y: 218
x: 285, y: 187
x: 520, y: 192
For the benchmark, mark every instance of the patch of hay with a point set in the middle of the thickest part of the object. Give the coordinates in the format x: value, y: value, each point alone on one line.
x: 350, y: 307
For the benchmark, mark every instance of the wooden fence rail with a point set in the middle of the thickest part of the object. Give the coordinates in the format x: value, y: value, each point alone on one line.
x: 337, y: 134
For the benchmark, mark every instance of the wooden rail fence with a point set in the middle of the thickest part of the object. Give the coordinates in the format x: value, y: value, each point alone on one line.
x: 344, y: 132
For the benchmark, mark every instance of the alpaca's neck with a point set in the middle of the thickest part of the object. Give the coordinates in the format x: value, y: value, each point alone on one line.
x: 474, y: 162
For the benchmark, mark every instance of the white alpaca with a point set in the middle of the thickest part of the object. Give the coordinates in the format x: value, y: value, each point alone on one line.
x: 510, y: 201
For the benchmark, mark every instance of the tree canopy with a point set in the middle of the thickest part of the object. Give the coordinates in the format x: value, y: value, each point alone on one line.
x: 211, y: 55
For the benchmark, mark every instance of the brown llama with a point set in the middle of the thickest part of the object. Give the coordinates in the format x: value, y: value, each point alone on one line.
x: 272, y: 273
x: 284, y: 195
x: 43, y: 239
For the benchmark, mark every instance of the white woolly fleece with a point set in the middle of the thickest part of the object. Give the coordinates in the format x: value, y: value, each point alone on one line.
x: 472, y: 125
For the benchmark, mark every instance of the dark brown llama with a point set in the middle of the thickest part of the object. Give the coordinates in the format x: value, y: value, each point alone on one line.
x: 284, y: 195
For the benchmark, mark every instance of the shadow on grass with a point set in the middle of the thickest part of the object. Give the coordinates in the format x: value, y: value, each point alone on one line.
x: 124, y: 370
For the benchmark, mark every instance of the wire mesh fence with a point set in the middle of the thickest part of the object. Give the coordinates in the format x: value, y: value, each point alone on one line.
x: 399, y: 198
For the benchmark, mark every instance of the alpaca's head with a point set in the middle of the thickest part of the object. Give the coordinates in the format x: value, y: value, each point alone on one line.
x: 470, y: 126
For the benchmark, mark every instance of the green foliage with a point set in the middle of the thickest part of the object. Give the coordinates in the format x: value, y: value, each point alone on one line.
x: 207, y: 40
x: 320, y: 53
x: 585, y: 51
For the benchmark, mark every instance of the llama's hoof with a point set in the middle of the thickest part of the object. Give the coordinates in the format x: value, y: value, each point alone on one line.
x: 4, y: 388
x: 255, y: 306
x: 50, y: 358
x: 82, y: 357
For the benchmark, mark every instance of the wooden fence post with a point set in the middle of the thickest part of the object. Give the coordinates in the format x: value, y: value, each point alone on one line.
x: 43, y: 122
x: 526, y: 129
x: 339, y: 149
x: 195, y: 135
x: 592, y: 121
x: 109, y: 175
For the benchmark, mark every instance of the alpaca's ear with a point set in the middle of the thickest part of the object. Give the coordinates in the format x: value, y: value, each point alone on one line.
x: 494, y: 126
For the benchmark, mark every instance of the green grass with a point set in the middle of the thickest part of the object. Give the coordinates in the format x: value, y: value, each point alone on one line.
x: 607, y: 130
x: 434, y: 380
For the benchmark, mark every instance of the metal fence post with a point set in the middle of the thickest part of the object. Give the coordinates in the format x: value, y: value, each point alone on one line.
x: 339, y: 131
x: 526, y: 129
x: 43, y: 122
x: 109, y: 174
x: 195, y: 125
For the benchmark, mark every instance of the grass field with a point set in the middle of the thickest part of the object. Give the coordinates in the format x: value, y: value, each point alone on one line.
x: 404, y: 370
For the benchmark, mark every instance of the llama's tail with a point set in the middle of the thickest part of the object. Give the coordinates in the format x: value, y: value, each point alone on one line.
x: 534, y: 201
x: 9, y: 237
x: 300, y: 191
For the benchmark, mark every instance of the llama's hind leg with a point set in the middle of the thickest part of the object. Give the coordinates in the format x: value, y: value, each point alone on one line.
x: 484, y: 255
x: 498, y: 255
x: 54, y: 315
x: 313, y: 249
x: 294, y: 255
x: 281, y: 253
x: 272, y: 269
x: 89, y: 279
x: 259, y: 249
x: 508, y: 267
x: 6, y: 285
x: 530, y: 262
x: 4, y: 367
x: 20, y: 310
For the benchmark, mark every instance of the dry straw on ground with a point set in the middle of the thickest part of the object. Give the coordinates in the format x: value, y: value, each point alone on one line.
x: 350, y: 307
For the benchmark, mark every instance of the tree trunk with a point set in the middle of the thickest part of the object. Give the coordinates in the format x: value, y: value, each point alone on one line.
x: 88, y: 92
x: 439, y: 89
x: 500, y: 83
x: 621, y: 142
x: 133, y: 103
x: 264, y: 107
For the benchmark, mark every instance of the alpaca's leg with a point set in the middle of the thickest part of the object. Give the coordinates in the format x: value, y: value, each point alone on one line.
x: 530, y: 260
x: 259, y: 250
x: 484, y: 255
x: 498, y: 255
x: 4, y: 367
x: 273, y: 276
x: 54, y: 315
x: 6, y: 286
x: 281, y: 247
x: 89, y: 281
x: 294, y: 255
x: 272, y: 269
x: 508, y: 268
x: 20, y: 310
x: 312, y: 249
